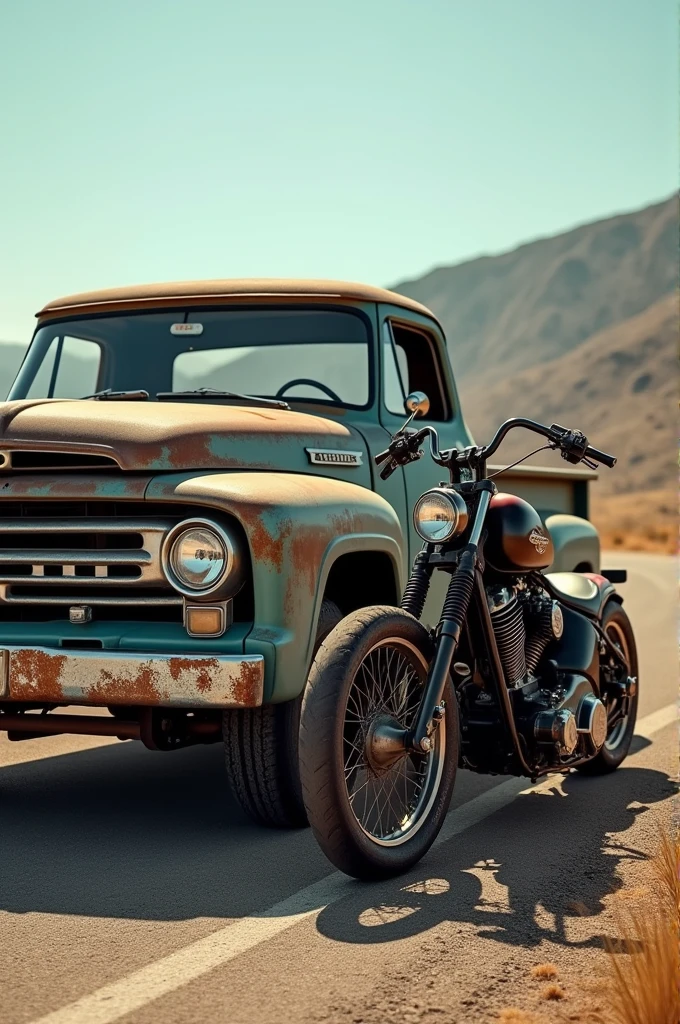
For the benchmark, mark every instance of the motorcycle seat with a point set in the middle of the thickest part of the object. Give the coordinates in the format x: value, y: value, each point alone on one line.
x: 586, y: 592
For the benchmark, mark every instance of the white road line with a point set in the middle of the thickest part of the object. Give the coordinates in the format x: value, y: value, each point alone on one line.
x: 130, y: 993
x: 656, y: 721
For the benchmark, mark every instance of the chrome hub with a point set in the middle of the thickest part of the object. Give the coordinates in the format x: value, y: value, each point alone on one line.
x: 385, y: 742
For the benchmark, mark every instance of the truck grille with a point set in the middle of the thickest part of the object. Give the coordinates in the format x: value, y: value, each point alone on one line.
x: 111, y: 561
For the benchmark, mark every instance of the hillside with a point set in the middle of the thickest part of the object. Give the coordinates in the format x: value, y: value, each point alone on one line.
x: 505, y: 313
x: 580, y: 329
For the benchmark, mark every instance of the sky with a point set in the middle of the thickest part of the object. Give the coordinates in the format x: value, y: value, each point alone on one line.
x: 149, y: 140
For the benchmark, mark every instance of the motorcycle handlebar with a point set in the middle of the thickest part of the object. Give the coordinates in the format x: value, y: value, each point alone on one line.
x: 598, y: 456
x: 572, y: 443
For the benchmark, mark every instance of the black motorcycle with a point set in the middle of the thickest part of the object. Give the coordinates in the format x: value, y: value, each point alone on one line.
x: 526, y: 673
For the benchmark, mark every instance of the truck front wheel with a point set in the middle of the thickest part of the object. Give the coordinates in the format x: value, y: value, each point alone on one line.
x: 261, y: 748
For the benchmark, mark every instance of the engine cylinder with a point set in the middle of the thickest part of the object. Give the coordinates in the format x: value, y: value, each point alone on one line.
x: 545, y: 624
x: 508, y: 626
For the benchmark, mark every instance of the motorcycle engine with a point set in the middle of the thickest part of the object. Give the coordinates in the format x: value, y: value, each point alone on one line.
x: 561, y: 719
x: 525, y: 620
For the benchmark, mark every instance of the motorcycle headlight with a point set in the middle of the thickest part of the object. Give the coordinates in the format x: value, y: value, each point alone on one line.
x: 198, y: 558
x: 439, y: 515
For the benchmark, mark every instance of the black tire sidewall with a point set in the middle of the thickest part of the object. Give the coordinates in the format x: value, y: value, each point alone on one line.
x: 609, y: 760
x: 335, y: 668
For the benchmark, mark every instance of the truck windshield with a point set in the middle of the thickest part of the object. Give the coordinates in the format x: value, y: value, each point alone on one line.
x: 306, y: 355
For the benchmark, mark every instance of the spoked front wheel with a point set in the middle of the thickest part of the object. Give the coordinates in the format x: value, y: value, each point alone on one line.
x: 375, y: 808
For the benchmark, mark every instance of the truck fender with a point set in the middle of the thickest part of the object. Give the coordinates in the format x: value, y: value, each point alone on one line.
x: 296, y: 527
x: 577, y: 544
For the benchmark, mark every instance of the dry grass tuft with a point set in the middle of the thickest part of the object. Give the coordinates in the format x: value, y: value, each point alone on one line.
x: 553, y: 991
x: 632, y: 895
x: 513, y: 1016
x: 645, y: 983
x: 544, y: 971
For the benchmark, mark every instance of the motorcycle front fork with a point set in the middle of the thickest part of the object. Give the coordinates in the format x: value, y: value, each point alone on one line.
x: 453, y: 617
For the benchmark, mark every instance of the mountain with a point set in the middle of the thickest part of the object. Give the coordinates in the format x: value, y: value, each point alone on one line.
x: 579, y: 329
x: 505, y: 313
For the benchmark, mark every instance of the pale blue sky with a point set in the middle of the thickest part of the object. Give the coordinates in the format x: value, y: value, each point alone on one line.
x: 162, y: 139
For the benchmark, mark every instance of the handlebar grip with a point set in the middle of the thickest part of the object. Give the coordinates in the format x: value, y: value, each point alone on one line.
x: 602, y: 457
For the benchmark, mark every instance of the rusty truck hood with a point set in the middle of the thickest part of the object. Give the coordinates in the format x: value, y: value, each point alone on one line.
x: 158, y: 436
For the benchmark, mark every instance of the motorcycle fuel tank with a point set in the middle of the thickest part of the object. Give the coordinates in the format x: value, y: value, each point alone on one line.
x: 517, y: 540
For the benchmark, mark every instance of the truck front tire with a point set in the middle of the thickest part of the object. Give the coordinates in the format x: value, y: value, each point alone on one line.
x: 261, y: 748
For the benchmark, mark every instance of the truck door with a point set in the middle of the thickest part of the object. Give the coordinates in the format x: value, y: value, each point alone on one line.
x: 414, y: 358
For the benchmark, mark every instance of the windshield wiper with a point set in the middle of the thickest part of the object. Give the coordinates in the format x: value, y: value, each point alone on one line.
x: 216, y: 393
x: 119, y: 396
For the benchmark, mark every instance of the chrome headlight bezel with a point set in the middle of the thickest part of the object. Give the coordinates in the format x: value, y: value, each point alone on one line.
x: 228, y: 581
x: 449, y: 499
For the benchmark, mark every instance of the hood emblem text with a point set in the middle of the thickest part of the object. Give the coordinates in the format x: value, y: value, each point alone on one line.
x: 333, y: 457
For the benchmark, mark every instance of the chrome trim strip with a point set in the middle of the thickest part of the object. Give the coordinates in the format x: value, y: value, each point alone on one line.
x: 147, y: 560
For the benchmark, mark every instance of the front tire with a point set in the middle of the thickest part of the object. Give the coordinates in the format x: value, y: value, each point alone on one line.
x: 372, y: 818
x: 261, y: 752
x: 616, y: 625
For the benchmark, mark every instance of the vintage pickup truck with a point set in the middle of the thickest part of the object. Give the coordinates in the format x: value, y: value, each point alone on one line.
x: 188, y: 505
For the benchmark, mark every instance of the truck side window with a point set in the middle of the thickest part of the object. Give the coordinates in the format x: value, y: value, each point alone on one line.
x: 414, y: 369
x: 396, y: 382
x: 70, y: 369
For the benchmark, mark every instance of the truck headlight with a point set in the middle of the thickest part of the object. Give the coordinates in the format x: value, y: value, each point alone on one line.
x: 439, y: 515
x: 199, y: 559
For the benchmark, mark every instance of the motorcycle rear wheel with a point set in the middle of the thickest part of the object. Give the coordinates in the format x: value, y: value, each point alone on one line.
x: 374, y: 814
x: 616, y: 625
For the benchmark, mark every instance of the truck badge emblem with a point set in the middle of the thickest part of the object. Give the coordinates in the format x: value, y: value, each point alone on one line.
x: 539, y: 540
x: 186, y: 329
x: 333, y: 457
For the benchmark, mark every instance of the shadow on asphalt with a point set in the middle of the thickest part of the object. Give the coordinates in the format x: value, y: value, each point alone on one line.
x: 521, y: 874
x: 122, y: 832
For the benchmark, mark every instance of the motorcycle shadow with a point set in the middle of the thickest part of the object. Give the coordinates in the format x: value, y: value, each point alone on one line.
x: 522, y: 875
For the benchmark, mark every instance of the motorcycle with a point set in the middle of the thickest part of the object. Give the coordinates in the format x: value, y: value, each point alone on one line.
x: 527, y: 672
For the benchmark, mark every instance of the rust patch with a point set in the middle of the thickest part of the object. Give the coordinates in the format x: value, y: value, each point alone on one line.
x: 170, y: 436
x: 142, y: 688
x: 201, y: 670
x: 37, y: 673
x: 77, y: 486
x: 265, y: 546
x: 307, y: 549
x: 247, y: 688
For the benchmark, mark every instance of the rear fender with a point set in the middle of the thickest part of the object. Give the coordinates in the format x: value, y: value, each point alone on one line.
x: 297, y: 526
x: 577, y: 650
x: 577, y: 544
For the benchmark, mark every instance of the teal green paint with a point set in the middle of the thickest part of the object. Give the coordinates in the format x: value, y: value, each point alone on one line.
x: 163, y: 637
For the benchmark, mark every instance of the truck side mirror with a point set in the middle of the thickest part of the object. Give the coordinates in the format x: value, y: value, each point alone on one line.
x: 417, y: 404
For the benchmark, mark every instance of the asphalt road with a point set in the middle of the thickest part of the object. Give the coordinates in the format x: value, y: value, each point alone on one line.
x: 132, y: 889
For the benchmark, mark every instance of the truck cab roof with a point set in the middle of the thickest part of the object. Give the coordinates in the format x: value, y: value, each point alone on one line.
x: 219, y: 292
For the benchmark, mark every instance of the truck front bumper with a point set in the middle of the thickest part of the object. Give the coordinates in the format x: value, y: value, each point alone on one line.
x: 43, y: 675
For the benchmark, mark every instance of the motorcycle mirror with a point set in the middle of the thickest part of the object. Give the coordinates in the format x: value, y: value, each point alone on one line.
x: 417, y: 404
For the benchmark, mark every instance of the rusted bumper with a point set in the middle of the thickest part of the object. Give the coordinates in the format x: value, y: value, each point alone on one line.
x: 43, y: 675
